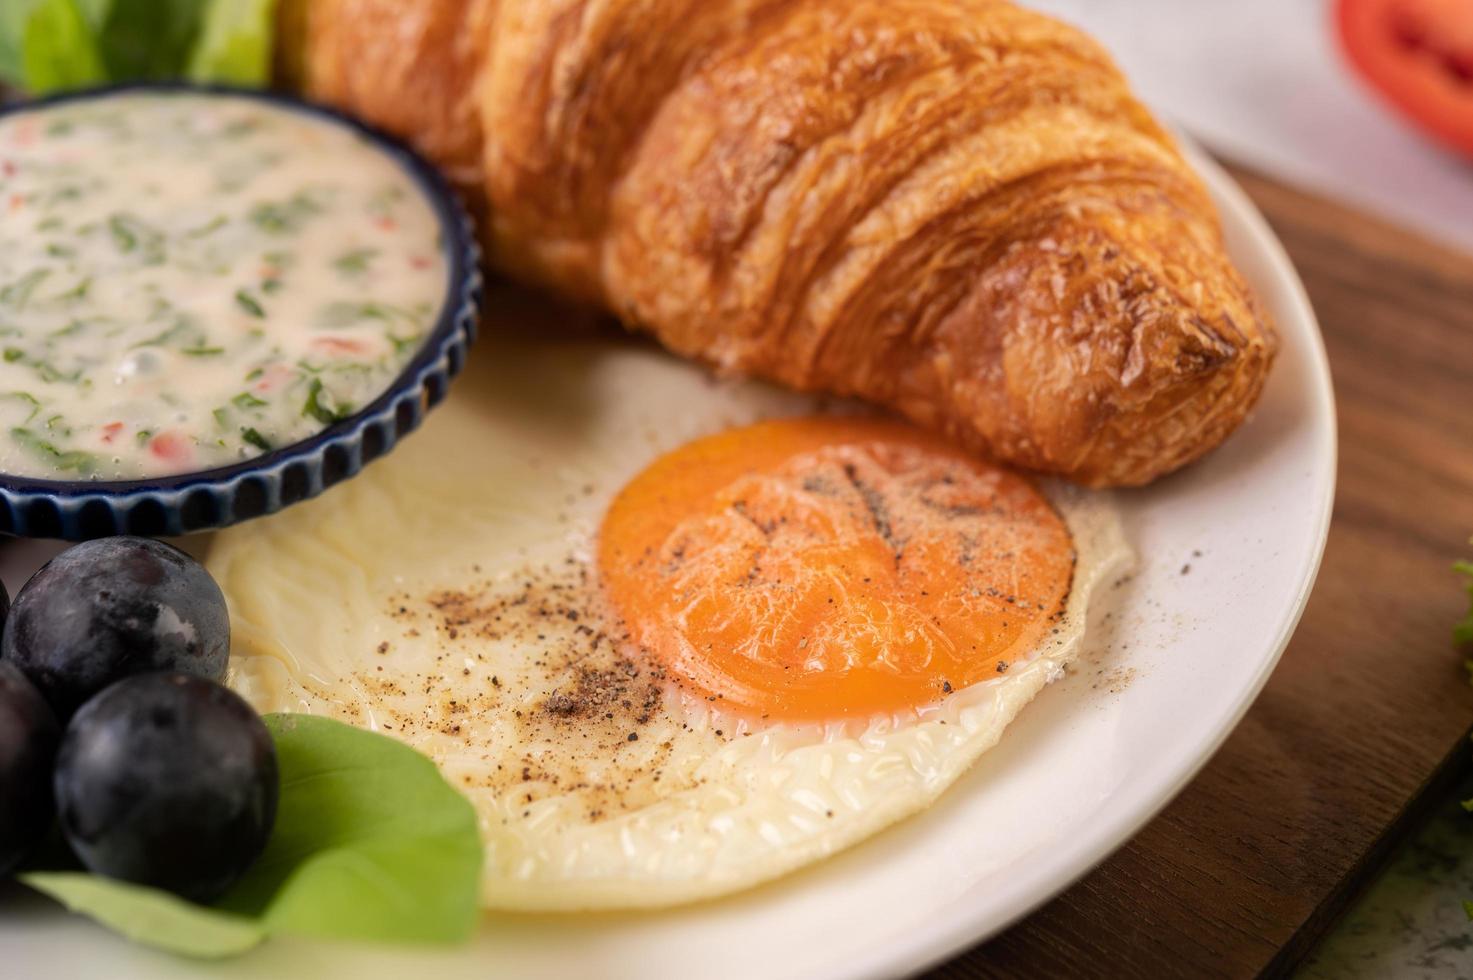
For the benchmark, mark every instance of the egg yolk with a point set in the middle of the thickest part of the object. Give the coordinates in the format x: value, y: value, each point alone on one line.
x: 824, y: 568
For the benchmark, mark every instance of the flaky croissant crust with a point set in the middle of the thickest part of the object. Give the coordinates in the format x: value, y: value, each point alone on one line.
x: 952, y: 208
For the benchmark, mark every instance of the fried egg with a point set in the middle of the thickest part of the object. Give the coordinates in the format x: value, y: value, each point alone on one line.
x: 673, y: 636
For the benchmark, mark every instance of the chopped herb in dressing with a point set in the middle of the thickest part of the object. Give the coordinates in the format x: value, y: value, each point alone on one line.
x: 245, y: 301
x: 73, y: 461
x: 18, y: 293
x: 285, y: 217
x: 355, y: 261
x: 345, y: 313
x: 246, y: 400
x: 214, y: 224
x: 254, y: 438
x: 320, y: 406
x: 30, y: 401
x: 131, y: 235
x: 77, y: 292
x: 188, y: 280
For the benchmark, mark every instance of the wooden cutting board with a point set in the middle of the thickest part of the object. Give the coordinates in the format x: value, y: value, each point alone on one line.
x: 1367, y: 718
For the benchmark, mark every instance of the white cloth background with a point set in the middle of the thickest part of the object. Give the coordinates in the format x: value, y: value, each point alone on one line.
x: 1263, y: 82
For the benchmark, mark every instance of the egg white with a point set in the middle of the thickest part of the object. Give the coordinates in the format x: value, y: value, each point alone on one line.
x: 354, y: 605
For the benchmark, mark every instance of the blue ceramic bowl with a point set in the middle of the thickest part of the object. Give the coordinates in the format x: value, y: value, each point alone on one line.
x: 206, y: 499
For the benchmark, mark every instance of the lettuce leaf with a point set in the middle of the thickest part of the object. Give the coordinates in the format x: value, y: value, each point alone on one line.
x: 370, y: 843
x: 50, y: 45
x: 234, y: 43
x: 147, y: 39
x: 57, y: 47
x: 14, y: 15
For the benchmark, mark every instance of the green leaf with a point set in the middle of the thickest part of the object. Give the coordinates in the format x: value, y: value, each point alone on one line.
x: 18, y: 293
x: 345, y: 313
x: 370, y: 843
x: 248, y: 303
x: 355, y: 261
x: 13, y: 17
x: 1463, y: 629
x: 49, y: 372
x: 235, y: 43
x: 59, y: 49
x: 74, y: 461
x: 1468, y: 909
x: 26, y: 398
x: 402, y: 344
x: 255, y: 438
x: 56, y: 44
x: 95, y: 12
x: 184, y: 329
x: 131, y: 232
x: 214, y: 224
x: 148, y: 38
x: 285, y: 216
x: 321, y: 406
x: 246, y: 400
x: 79, y: 291
x: 148, y: 916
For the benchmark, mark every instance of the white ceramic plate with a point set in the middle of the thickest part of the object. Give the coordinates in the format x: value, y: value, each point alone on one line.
x: 1159, y: 688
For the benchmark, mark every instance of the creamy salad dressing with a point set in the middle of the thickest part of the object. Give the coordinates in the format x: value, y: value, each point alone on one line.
x: 188, y: 280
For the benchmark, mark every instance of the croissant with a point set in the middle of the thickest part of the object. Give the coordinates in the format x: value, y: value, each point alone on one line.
x: 952, y: 208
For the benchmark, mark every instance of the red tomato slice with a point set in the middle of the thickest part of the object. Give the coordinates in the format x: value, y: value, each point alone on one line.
x: 1419, y: 55
x: 339, y: 345
x: 171, y: 446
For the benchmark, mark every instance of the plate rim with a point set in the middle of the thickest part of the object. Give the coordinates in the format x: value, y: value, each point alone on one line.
x: 969, y: 927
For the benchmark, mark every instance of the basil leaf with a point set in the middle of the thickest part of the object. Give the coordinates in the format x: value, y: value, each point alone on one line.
x: 370, y: 843
x: 148, y: 916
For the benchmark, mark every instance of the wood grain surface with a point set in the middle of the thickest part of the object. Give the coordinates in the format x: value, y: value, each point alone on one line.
x: 1368, y: 714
